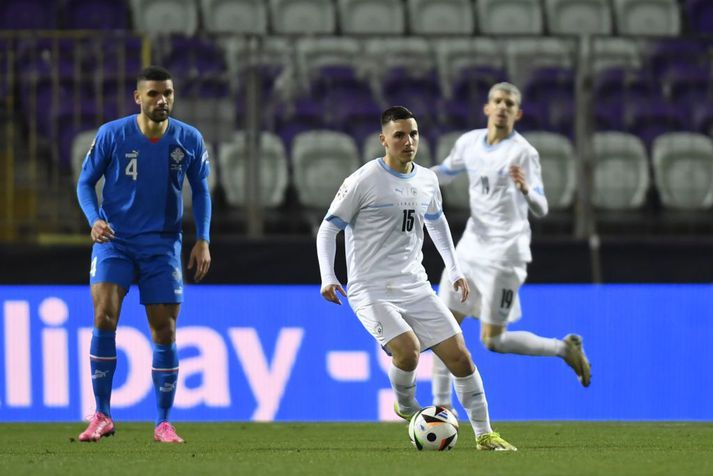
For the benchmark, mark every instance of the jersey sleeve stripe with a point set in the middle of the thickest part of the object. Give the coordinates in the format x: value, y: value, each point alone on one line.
x: 433, y: 216
x: 341, y: 224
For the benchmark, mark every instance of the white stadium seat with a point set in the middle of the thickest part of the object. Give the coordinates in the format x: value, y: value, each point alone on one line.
x: 229, y: 16
x: 154, y: 17
x: 273, y: 170
x: 621, y: 171
x: 683, y: 170
x: 322, y: 160
x: 381, y: 17
x: 558, y: 163
x: 577, y: 17
x: 441, y: 17
x: 80, y: 147
x: 303, y: 16
x: 615, y: 53
x: 647, y: 17
x: 510, y: 16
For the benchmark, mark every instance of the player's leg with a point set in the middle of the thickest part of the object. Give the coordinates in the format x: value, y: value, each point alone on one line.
x: 405, y: 350
x: 161, y: 287
x: 110, y: 277
x: 441, y: 378
x: 471, y: 392
x: 385, y: 323
x: 164, y: 370
x: 501, y: 304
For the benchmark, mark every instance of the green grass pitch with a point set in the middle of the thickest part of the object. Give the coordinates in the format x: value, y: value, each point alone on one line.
x: 256, y: 449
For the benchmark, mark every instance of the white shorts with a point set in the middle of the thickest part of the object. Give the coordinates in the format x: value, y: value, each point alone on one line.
x: 426, y: 316
x: 494, y: 292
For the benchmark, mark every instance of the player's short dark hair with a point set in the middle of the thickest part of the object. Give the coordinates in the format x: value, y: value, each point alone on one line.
x: 395, y: 113
x: 153, y: 73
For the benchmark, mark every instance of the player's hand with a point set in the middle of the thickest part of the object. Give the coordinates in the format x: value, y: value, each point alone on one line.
x: 200, y: 258
x: 102, y: 232
x: 462, y: 286
x: 329, y: 292
x: 518, y: 176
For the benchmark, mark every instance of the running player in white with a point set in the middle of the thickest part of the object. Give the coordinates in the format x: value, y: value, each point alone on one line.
x: 382, y: 208
x: 505, y: 183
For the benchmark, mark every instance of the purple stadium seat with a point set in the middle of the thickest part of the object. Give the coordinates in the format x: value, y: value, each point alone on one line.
x: 96, y: 15
x: 194, y: 56
x: 700, y: 15
x: 548, y: 82
x: 608, y: 116
x: 28, y: 14
x: 473, y: 83
x: 689, y: 84
x: 649, y: 119
x: 676, y: 52
x: 300, y: 115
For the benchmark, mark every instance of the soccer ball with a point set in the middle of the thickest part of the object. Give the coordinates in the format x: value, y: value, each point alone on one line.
x: 433, y: 428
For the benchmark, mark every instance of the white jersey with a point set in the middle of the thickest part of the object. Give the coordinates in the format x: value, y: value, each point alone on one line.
x: 382, y: 213
x: 498, y: 228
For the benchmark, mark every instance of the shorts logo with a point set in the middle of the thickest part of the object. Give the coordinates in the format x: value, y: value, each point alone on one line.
x: 177, y: 275
x: 379, y: 329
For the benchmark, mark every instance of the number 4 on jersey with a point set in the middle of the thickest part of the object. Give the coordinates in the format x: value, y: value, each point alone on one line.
x: 132, y: 168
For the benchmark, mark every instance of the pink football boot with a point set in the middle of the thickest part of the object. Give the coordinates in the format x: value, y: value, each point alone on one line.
x: 100, y: 425
x: 166, y: 433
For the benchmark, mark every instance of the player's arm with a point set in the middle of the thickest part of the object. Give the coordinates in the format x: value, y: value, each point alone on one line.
x: 528, y: 180
x: 452, y: 166
x: 198, y: 179
x: 326, y: 252
x: 93, y: 168
x: 440, y: 234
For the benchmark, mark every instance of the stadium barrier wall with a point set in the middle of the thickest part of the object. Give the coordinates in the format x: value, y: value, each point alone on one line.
x: 281, y: 353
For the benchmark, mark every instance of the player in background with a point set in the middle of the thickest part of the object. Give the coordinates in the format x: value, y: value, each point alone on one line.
x: 505, y: 183
x: 136, y: 231
x: 382, y: 208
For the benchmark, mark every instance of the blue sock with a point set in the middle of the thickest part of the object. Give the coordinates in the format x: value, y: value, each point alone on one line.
x: 165, y: 375
x: 102, y: 362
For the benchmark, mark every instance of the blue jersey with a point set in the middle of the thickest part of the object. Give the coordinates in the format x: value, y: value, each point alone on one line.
x: 144, y: 180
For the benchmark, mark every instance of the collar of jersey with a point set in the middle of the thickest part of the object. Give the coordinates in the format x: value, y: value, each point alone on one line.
x: 138, y: 129
x: 495, y: 146
x: 395, y: 173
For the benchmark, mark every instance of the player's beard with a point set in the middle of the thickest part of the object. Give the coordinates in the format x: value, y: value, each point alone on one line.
x: 159, y: 115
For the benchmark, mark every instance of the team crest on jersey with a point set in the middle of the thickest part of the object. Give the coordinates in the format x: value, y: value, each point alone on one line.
x: 177, y: 155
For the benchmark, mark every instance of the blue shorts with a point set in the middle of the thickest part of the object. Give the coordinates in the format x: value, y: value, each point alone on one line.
x: 152, y: 261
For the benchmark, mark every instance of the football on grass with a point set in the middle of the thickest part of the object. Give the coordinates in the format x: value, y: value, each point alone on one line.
x: 433, y: 428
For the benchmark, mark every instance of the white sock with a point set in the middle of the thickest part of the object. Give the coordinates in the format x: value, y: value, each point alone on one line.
x: 441, y: 383
x: 526, y: 343
x: 472, y: 396
x: 404, y: 384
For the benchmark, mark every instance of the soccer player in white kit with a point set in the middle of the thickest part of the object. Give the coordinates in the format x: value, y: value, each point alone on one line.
x: 382, y: 208
x: 505, y: 183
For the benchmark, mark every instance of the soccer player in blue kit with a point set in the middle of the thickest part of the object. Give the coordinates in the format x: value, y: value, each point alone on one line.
x: 136, y: 231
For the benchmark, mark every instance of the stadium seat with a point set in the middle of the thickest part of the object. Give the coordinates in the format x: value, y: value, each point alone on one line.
x: 456, y: 194
x: 578, y: 17
x: 80, y: 148
x: 303, y: 16
x: 404, y: 73
x: 621, y: 171
x: 214, y: 117
x: 441, y: 17
x: 28, y: 14
x: 524, y: 55
x: 273, y: 165
x: 96, y: 14
x: 468, y: 63
x: 373, y: 149
x: 229, y: 16
x: 154, y: 17
x: 380, y: 17
x: 557, y: 160
x: 683, y: 170
x: 608, y: 53
x: 510, y: 17
x: 700, y: 15
x: 321, y: 161
x: 647, y: 17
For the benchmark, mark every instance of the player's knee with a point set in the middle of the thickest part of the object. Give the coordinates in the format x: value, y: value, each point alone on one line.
x: 105, y: 320
x: 406, y: 359
x: 493, y: 343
